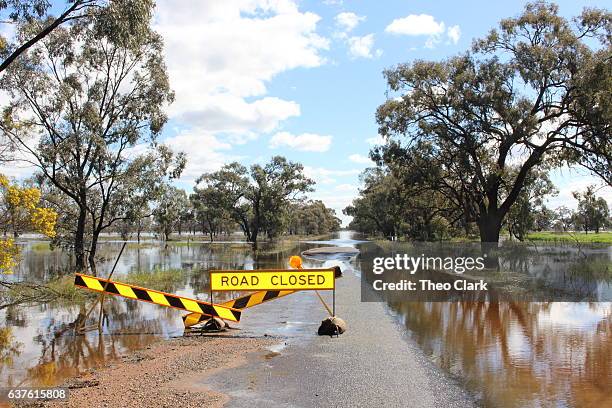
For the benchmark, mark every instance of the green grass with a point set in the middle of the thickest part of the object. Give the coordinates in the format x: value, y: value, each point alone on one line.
x: 572, y: 237
x: 158, y: 279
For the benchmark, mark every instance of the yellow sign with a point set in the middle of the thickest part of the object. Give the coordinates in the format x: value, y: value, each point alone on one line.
x: 273, y: 279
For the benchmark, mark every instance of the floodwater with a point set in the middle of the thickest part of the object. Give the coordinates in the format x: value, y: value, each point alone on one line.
x: 508, y: 354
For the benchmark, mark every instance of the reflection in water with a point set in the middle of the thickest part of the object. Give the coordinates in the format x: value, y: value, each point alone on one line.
x: 510, y: 354
x: 519, y: 354
x: 37, y: 342
x: 516, y: 354
x: 513, y: 271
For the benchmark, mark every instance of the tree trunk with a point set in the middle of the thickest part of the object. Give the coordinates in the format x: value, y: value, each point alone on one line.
x: 92, y: 251
x: 489, y: 226
x: 253, y: 237
x: 79, y: 239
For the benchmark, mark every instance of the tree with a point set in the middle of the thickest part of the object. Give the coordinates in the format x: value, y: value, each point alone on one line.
x: 517, y: 96
x: 394, y: 203
x: 522, y: 215
x: 379, y: 207
x: 544, y: 219
x: 565, y: 219
x: 210, y: 207
x: 21, y: 211
x: 171, y: 206
x: 312, y: 218
x: 35, y: 12
x: 593, y: 213
x: 258, y: 198
x: 92, y: 93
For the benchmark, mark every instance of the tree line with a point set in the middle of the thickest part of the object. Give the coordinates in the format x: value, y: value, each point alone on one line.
x: 87, y: 94
x: 261, y: 200
x: 470, y: 140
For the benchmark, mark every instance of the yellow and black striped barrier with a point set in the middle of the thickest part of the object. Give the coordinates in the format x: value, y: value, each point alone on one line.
x: 242, y: 302
x: 250, y: 300
x: 159, y: 298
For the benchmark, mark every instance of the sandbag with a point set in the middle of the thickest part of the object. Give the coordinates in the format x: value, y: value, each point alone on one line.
x: 332, y: 326
x: 214, y: 324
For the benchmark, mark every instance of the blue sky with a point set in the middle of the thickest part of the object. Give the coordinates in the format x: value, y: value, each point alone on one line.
x: 303, y: 79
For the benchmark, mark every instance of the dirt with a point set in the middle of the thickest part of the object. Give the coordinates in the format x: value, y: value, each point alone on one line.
x: 162, y: 375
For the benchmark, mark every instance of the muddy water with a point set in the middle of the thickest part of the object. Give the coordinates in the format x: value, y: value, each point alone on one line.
x: 507, y: 354
x: 37, y: 341
x: 525, y: 354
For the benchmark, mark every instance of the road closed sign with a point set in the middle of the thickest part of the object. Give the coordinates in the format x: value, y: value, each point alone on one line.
x: 273, y: 279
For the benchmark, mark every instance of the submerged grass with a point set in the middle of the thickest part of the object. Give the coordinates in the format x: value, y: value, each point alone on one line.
x: 62, y: 289
x: 59, y: 290
x: 158, y: 279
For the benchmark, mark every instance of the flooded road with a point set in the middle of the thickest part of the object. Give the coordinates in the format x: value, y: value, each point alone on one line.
x: 508, y: 354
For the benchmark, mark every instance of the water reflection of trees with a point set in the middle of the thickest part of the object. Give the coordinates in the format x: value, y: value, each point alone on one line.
x: 9, y: 347
x: 129, y: 326
x: 513, y: 355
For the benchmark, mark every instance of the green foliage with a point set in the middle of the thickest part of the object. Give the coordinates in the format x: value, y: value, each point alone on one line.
x: 395, y: 203
x: 170, y: 208
x: 593, y: 213
x: 61, y: 289
x: 94, y: 91
x: 123, y: 22
x: 523, y: 98
x: 165, y: 280
x: 523, y: 214
x: 258, y: 198
x: 311, y: 218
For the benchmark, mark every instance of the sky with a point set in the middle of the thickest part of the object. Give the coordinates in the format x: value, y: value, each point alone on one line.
x: 303, y: 79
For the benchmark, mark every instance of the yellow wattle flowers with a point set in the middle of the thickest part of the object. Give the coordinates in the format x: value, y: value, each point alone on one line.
x: 21, y: 212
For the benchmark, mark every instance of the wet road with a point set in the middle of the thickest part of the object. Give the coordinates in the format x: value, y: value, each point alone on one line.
x: 372, y: 364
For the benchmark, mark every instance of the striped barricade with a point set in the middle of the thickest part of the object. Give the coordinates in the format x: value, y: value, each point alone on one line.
x: 242, y: 302
x: 159, y: 298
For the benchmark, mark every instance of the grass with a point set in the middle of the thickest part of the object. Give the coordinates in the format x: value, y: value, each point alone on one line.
x: 572, y: 237
x: 158, y: 279
x: 60, y: 289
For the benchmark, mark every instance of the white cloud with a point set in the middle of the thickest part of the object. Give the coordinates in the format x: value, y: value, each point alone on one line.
x: 326, y: 176
x: 18, y: 170
x: 357, y: 158
x: 308, y: 142
x: 20, y: 161
x: 347, y: 21
x: 229, y: 113
x: 205, y: 152
x: 454, y: 33
x: 219, y: 53
x: 416, y: 24
x: 358, y: 46
x: 425, y: 25
x: 361, y: 47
